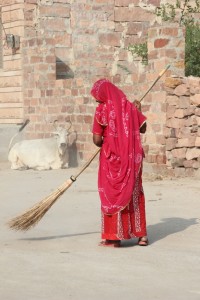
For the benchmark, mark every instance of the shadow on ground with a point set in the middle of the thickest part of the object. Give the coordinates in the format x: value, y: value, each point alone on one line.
x: 53, y: 237
x: 169, y: 226
x: 161, y: 230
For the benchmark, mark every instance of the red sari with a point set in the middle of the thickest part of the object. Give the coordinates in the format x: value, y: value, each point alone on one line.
x: 120, y: 168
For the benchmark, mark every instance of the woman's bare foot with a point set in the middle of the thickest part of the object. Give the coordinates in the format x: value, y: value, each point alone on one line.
x: 110, y: 243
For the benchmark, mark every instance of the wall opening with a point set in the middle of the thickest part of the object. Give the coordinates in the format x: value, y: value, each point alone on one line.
x: 63, y: 71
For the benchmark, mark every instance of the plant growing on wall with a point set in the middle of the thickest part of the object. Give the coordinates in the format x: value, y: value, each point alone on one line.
x: 140, y: 50
x: 182, y: 12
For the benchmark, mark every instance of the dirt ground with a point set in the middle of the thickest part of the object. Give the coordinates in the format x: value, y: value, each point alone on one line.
x: 60, y: 259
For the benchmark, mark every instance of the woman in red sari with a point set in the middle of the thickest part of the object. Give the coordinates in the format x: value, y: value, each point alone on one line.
x: 116, y: 129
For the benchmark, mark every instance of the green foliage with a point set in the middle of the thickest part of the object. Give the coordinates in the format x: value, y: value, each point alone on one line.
x: 192, y: 50
x: 140, y: 50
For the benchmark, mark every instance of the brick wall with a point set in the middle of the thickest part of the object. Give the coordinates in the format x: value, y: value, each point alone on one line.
x: 67, y: 45
x: 11, y: 85
x: 90, y: 41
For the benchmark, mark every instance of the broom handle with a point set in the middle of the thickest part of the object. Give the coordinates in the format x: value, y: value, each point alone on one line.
x: 74, y: 177
x: 159, y: 76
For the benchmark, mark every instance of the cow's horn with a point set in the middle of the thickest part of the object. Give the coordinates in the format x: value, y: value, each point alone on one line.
x: 70, y: 125
x: 55, y: 124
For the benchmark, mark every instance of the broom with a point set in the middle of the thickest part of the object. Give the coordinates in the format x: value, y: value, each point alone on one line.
x: 31, y: 217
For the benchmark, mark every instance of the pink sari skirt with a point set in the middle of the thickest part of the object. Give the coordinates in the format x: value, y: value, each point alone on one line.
x: 128, y: 223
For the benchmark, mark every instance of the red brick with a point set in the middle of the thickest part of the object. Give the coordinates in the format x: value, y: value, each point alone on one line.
x: 137, y: 14
x: 160, y: 43
x: 125, y: 2
x: 170, y: 31
x: 55, y: 11
x: 134, y: 27
x: 110, y: 39
x: 154, y: 2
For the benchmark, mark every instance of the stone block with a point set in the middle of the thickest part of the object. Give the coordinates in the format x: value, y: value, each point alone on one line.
x: 182, y: 90
x: 190, y: 121
x: 161, y: 159
x: 134, y: 27
x: 172, y: 100
x: 160, y: 139
x: 169, y: 132
x: 184, y: 102
x: 179, y: 172
x: 189, y: 172
x: 197, y: 111
x: 54, y: 11
x: 197, y: 141
x: 179, y: 153
x: 170, y: 31
x: 110, y: 39
x: 198, y: 120
x: 192, y: 153
x: 133, y: 14
x: 186, y: 142
x: 177, y: 162
x: 190, y: 110
x: 194, y: 90
x: 12, y: 15
x: 193, y: 81
x: 188, y: 163
x: 170, y: 111
x: 172, y: 82
x: 180, y: 113
x: 171, y: 143
x: 175, y: 123
x: 125, y: 2
x: 195, y: 99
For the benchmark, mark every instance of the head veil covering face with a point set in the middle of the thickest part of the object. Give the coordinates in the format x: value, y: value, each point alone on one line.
x: 121, y: 153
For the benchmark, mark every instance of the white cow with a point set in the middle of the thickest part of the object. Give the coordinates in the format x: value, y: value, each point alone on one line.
x: 43, y: 154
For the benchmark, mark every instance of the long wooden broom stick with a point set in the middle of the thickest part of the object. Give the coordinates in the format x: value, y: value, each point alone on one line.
x: 32, y: 216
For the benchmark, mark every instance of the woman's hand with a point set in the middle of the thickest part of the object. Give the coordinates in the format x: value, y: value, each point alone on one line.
x: 137, y: 104
x: 97, y: 140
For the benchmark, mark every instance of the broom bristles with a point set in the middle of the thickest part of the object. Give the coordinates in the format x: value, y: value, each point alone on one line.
x: 32, y: 216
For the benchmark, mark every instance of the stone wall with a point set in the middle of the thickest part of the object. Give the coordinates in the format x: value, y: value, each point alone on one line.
x: 182, y: 130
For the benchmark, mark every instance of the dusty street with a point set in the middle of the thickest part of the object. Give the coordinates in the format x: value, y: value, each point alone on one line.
x: 60, y: 259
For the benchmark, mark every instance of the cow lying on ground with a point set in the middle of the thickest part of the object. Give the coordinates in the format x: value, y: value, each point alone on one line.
x: 43, y: 154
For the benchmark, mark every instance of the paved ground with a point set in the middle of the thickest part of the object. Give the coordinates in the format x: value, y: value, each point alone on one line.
x: 60, y: 259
